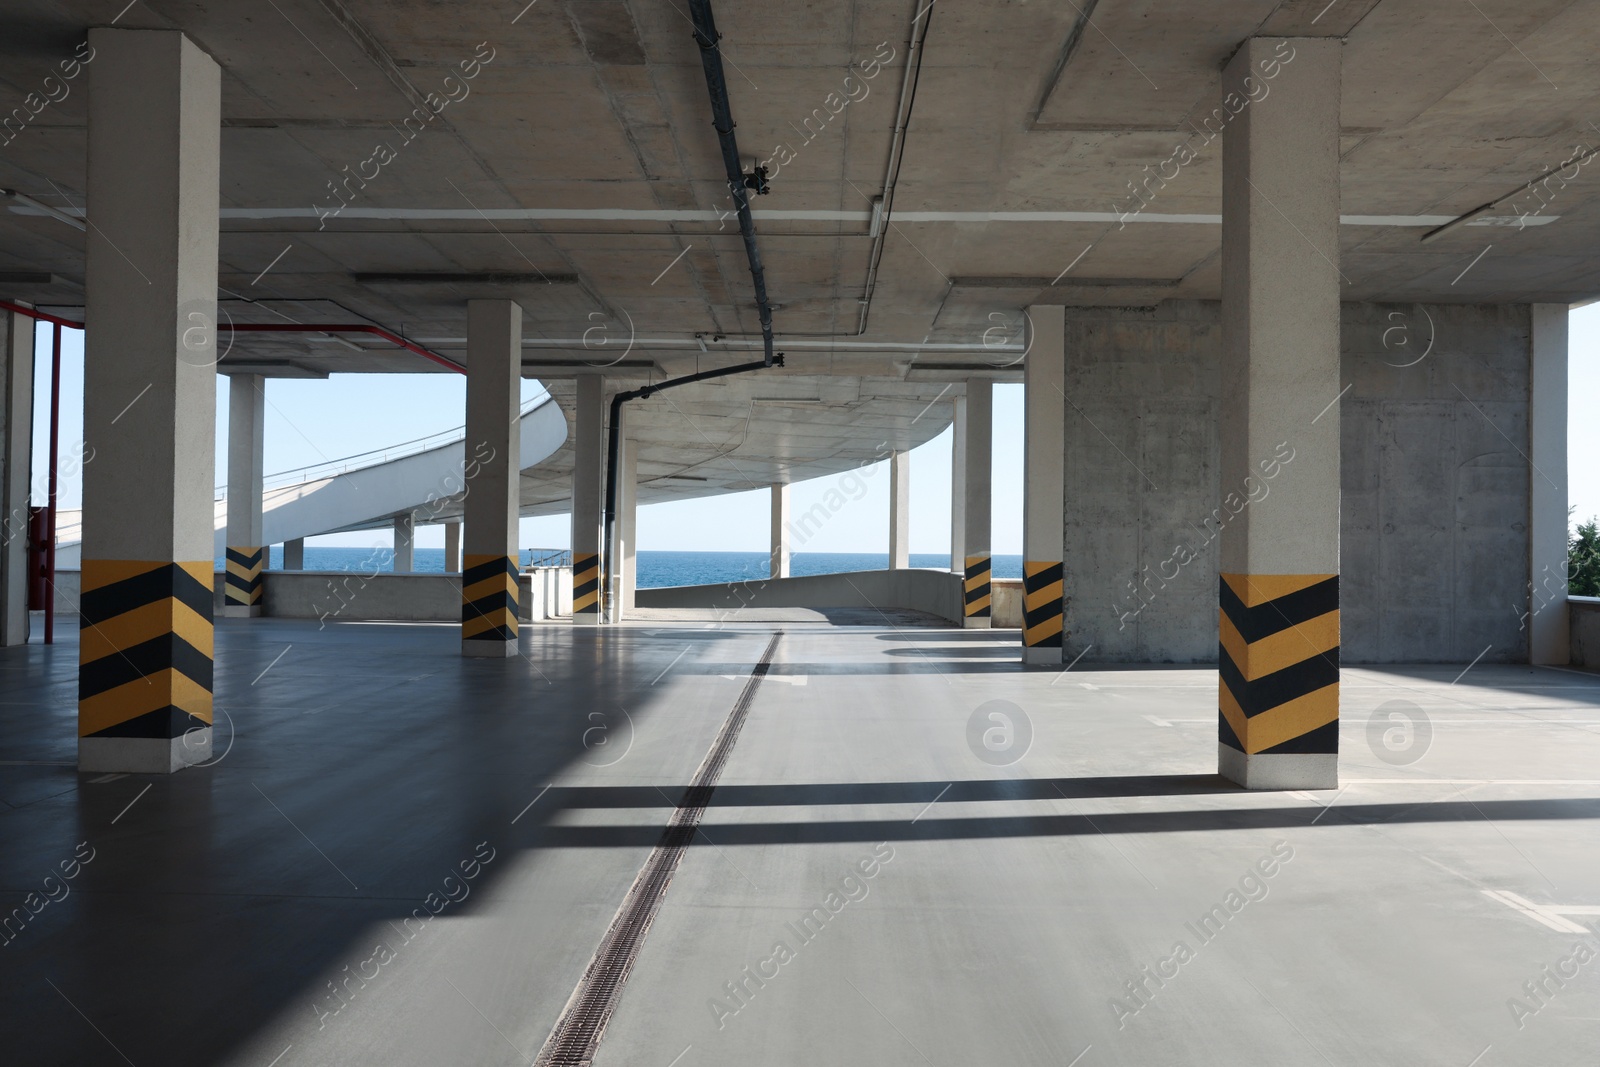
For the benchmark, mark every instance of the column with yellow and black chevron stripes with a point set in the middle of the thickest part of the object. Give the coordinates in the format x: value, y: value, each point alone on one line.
x: 149, y: 405
x: 1278, y: 618
x: 492, y: 469
x: 588, y: 481
x: 1043, y: 484
x: 245, y: 558
x: 976, y: 589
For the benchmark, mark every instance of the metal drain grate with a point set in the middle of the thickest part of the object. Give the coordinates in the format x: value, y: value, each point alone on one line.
x: 577, y: 1033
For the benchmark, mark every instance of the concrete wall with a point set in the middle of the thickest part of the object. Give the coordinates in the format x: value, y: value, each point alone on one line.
x: 1005, y: 604
x: 545, y: 593
x: 1435, y: 512
x: 1584, y: 616
x: 936, y: 592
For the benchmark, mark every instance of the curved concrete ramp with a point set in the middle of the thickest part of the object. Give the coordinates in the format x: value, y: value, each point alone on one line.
x: 427, y: 483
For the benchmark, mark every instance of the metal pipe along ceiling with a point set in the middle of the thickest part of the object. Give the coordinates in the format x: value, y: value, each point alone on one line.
x: 706, y: 36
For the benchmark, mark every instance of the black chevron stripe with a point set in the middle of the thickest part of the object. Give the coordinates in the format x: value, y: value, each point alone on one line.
x: 1034, y: 582
x: 977, y: 570
x: 480, y: 608
x: 1274, y: 616
x: 493, y: 633
x: 143, y: 660
x: 244, y: 559
x: 160, y: 583
x: 497, y: 566
x: 1042, y: 613
x: 164, y: 723
x: 1279, y: 687
x: 1324, y: 738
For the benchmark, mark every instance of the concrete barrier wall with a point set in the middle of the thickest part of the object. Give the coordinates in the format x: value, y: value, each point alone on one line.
x: 70, y: 583
x: 1005, y: 603
x: 935, y: 592
x: 1584, y: 616
x: 1435, y: 511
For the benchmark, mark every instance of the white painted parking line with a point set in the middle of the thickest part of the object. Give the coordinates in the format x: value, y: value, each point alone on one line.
x: 1546, y: 914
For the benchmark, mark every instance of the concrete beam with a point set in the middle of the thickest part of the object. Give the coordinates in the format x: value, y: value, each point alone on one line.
x: 1044, y: 481
x: 779, y: 561
x: 900, y: 511
x: 150, y: 354
x: 452, y: 548
x: 976, y: 561
x: 246, y: 555
x: 405, y: 537
x: 958, y: 484
x: 1548, y: 638
x: 588, y: 488
x: 493, y: 487
x: 1279, y: 587
x: 16, y: 473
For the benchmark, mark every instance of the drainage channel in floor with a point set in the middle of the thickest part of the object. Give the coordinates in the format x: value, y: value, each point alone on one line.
x: 577, y: 1034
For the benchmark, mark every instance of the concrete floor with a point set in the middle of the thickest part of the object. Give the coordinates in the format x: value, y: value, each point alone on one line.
x: 369, y: 762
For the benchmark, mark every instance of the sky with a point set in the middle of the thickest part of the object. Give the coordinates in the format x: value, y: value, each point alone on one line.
x: 311, y: 421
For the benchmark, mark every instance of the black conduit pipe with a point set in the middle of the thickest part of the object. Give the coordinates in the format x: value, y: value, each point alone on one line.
x: 706, y: 36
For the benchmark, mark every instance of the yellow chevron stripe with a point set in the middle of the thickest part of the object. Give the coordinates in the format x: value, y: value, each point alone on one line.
x: 141, y: 696
x: 238, y: 570
x: 1282, y: 649
x: 978, y: 605
x: 499, y: 583
x: 143, y: 624
x: 1049, y: 628
x: 1254, y: 590
x: 1040, y: 597
x: 1282, y: 723
x: 488, y: 621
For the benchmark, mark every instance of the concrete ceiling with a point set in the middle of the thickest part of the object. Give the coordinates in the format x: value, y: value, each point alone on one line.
x: 580, y: 174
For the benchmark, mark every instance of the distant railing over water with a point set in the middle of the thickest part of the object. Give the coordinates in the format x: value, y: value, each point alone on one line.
x: 548, y: 557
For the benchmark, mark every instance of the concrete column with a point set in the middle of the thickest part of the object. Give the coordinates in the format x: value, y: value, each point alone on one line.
x: 975, y: 490
x: 1279, y: 587
x: 294, y: 554
x: 452, y: 548
x: 620, y: 551
x: 1548, y: 638
x: 145, y: 674
x: 628, y: 519
x: 958, y: 485
x: 1044, y: 479
x: 493, y: 478
x: 899, y: 511
x: 405, y: 536
x: 16, y: 460
x: 588, y: 487
x: 246, y: 556
x: 778, y: 561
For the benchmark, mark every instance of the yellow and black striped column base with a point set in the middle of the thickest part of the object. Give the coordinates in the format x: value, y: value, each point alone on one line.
x: 976, y: 592
x: 489, y: 606
x: 1278, y: 686
x: 144, y: 665
x: 243, y: 582
x: 1041, y: 611
x: 586, y: 588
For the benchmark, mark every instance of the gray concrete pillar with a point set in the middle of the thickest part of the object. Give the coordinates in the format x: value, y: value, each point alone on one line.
x: 145, y: 672
x: 294, y: 554
x: 628, y: 520
x: 452, y: 548
x: 958, y: 484
x: 1279, y: 587
x: 780, y: 557
x: 246, y: 555
x: 1044, y: 480
x: 978, y: 475
x: 588, y: 486
x: 1548, y: 639
x: 16, y: 468
x: 405, y: 537
x: 899, y: 511
x: 493, y: 478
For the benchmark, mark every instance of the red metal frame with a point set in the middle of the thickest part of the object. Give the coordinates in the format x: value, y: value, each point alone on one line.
x: 55, y: 409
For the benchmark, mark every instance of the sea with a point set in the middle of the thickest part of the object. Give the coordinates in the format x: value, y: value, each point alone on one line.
x: 655, y: 568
